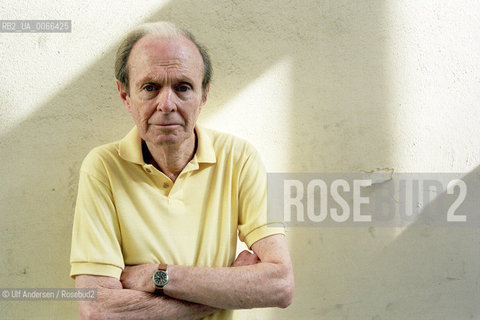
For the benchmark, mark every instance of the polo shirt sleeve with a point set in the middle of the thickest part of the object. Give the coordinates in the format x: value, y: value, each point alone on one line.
x: 252, y: 216
x: 96, y: 239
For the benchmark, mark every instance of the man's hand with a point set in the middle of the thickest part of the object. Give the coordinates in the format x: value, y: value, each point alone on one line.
x: 245, y: 258
x: 115, y: 302
x: 139, y: 277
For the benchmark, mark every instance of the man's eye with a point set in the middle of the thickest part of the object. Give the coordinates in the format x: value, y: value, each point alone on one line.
x: 183, y: 88
x: 149, y: 88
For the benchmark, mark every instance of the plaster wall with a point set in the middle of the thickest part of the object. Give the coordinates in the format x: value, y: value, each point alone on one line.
x: 316, y: 86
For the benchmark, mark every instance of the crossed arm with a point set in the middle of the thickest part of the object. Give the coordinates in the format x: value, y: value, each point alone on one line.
x: 262, y: 279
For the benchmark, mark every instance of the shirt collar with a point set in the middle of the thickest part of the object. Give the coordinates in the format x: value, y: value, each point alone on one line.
x: 205, y: 152
x: 130, y: 147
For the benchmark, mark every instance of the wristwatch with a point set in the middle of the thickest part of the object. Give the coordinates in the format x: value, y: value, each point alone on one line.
x: 160, y: 278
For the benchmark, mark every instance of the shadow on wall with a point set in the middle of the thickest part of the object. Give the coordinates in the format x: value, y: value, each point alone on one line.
x: 436, y: 262
x: 428, y: 271
x: 338, y: 120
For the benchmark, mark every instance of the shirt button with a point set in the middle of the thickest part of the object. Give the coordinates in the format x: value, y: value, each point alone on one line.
x: 148, y: 170
x: 166, y: 185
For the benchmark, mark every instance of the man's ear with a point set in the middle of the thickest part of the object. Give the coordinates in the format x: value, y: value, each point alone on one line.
x: 122, y: 90
x: 204, y: 95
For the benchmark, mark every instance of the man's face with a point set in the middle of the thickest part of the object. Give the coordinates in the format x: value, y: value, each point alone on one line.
x: 165, y: 96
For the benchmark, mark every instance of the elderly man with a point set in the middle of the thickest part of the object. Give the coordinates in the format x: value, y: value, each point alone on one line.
x: 157, y: 212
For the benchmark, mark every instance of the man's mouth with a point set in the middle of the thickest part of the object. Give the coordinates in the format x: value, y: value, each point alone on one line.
x: 164, y: 124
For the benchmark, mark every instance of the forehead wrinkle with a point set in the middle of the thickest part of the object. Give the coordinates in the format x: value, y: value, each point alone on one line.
x: 166, y: 74
x: 165, y: 59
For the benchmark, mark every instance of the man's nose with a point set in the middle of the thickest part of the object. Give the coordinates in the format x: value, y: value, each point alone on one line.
x: 165, y: 100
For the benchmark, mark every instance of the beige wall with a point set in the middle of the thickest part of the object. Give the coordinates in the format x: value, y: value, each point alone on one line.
x: 317, y: 86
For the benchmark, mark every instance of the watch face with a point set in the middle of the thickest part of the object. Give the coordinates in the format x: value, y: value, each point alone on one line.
x: 160, y: 278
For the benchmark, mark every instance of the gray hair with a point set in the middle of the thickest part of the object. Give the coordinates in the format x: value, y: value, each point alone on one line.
x: 163, y: 29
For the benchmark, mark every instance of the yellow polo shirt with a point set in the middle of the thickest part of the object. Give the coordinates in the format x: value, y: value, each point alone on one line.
x: 128, y: 212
